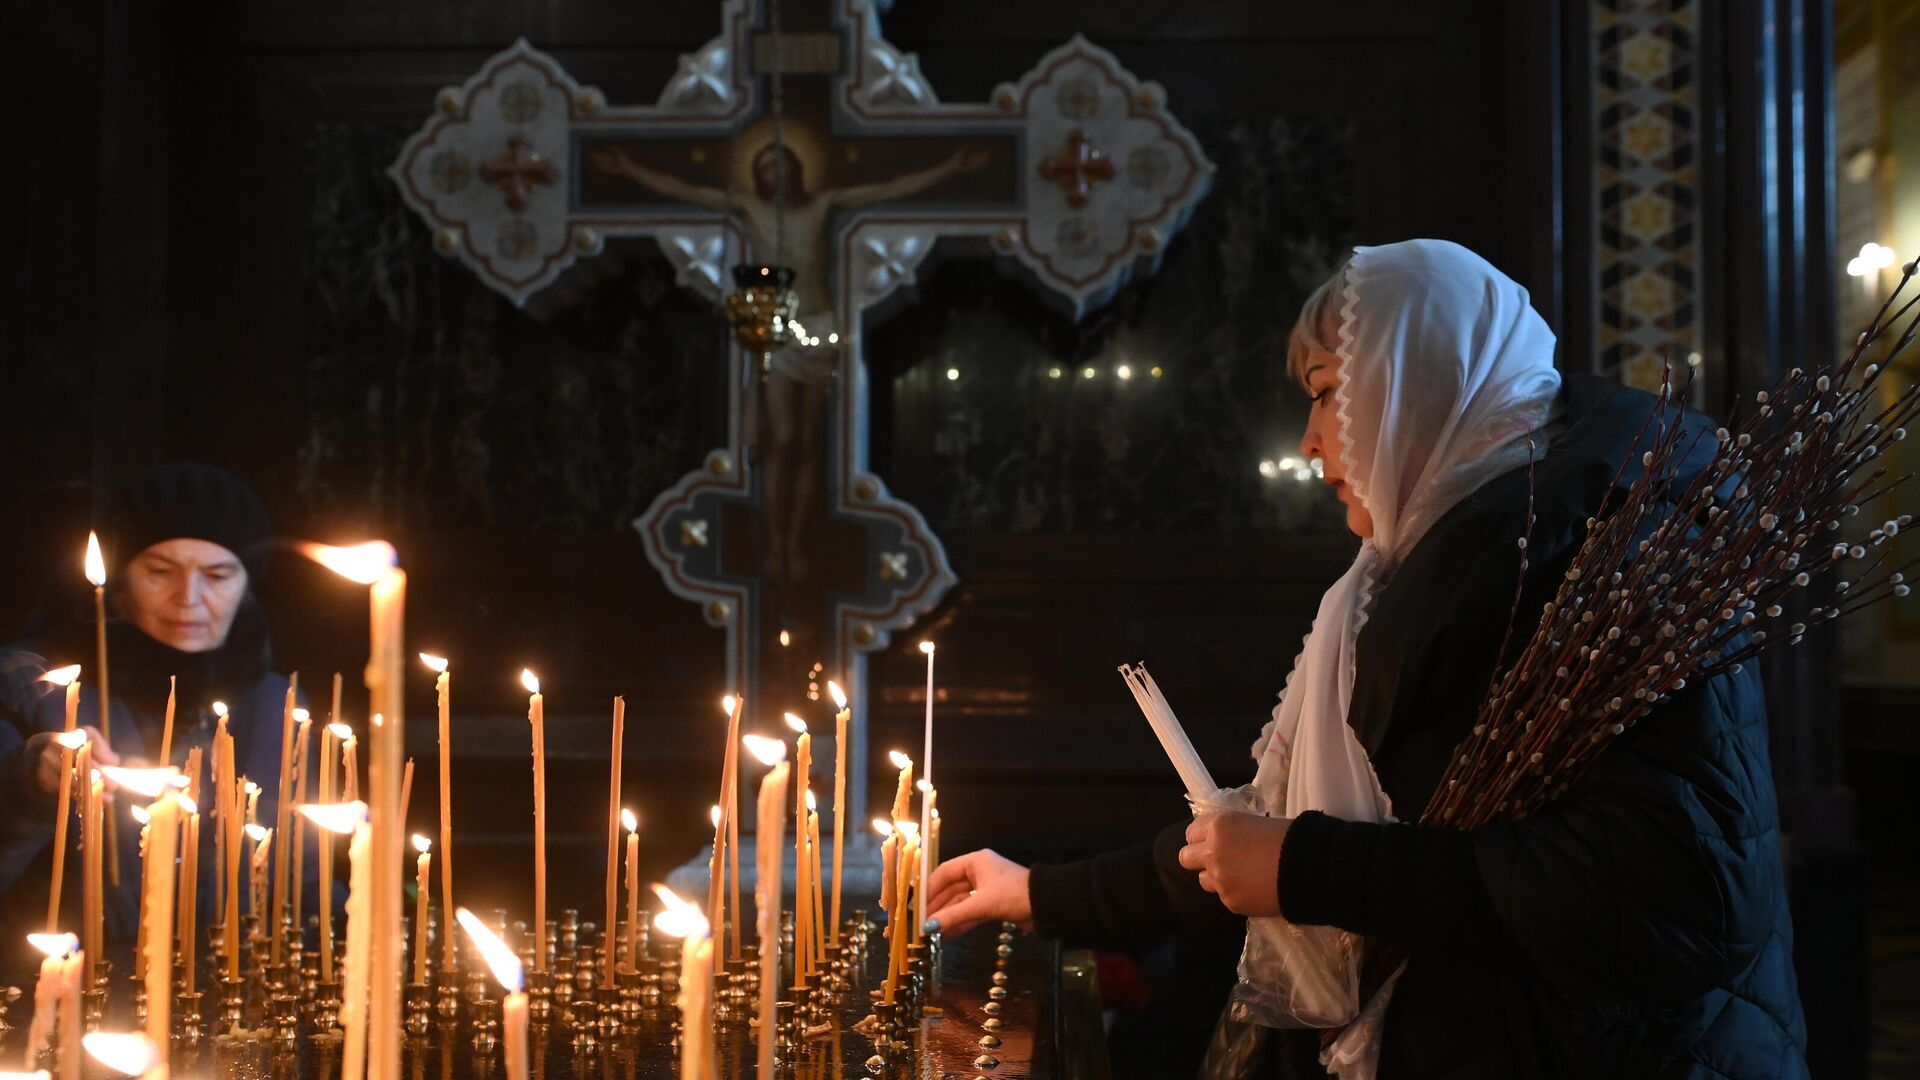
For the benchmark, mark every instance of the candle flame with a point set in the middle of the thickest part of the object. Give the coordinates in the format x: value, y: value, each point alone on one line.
x: 55, y: 945
x: 529, y: 680
x: 336, y: 817
x: 812, y: 803
x: 186, y: 803
x: 301, y: 716
x: 362, y: 563
x: 714, y: 815
x: 437, y: 663
x: 376, y: 720
x: 883, y: 826
x: 770, y: 752
x: 923, y: 785
x: 249, y: 787
x: 140, y: 814
x: 728, y: 703
x: 257, y: 832
x: 795, y: 723
x: 900, y: 759
x: 220, y: 709
x: 934, y: 813
x: 506, y: 966
x: 149, y: 782
x: 421, y: 843
x: 629, y: 819
x: 839, y: 696
x: 72, y: 740
x: 678, y: 918
x: 96, y: 566
x: 340, y: 731
x: 910, y: 830
x: 785, y: 639
x: 62, y: 676
x: 927, y: 647
x: 128, y: 1053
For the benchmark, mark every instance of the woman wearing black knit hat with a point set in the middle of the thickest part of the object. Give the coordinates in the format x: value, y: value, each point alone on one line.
x: 185, y: 545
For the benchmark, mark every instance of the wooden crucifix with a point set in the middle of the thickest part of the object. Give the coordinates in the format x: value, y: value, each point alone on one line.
x: 817, y: 145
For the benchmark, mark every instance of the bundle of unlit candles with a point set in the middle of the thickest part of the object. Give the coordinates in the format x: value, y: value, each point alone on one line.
x: 1173, y: 737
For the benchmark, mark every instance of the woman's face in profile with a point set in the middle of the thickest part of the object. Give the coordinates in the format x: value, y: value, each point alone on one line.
x: 1321, y: 373
x: 184, y: 593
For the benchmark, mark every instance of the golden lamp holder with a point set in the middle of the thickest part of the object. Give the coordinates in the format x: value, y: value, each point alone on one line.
x: 761, y: 309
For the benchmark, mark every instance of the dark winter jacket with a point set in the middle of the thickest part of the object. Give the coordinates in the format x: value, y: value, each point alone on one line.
x: 239, y: 674
x: 1638, y: 927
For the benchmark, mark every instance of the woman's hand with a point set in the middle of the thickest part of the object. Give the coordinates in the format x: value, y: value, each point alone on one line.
x: 978, y: 887
x: 48, y: 756
x: 1238, y: 857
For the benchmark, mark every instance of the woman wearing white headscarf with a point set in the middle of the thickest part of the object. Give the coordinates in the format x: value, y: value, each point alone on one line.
x: 1638, y: 927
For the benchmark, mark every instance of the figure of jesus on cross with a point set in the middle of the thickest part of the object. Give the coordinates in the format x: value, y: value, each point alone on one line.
x: 790, y: 225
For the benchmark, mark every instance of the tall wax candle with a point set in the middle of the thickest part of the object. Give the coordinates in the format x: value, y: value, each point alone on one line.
x: 926, y: 803
x: 768, y: 846
x: 716, y: 874
x: 508, y: 972
x: 887, y: 845
x: 73, y: 983
x: 190, y: 895
x: 92, y: 935
x: 345, y: 818
x: 632, y: 823
x: 96, y: 568
x: 156, y: 911
x: 302, y: 765
x: 332, y: 742
x: 727, y: 840
x: 280, y: 820
x: 70, y: 742
x: 537, y: 719
x: 610, y: 935
x: 802, y: 894
x: 682, y: 920
x: 928, y: 796
x: 421, y: 889
x: 818, y: 937
x: 840, y: 722
x: 443, y: 696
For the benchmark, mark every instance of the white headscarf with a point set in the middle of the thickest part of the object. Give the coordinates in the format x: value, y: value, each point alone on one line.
x: 1444, y: 370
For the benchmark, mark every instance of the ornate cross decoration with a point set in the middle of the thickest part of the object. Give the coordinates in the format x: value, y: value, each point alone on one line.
x: 1074, y: 174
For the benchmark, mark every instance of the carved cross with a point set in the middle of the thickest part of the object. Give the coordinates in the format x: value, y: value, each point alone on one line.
x: 518, y: 170
x: 1076, y: 168
x: 1074, y: 174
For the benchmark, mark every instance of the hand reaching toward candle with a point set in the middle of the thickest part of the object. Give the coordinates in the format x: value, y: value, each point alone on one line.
x: 48, y: 756
x: 1238, y: 858
x: 978, y: 887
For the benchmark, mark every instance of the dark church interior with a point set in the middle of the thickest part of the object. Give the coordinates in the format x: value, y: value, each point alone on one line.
x: 478, y: 279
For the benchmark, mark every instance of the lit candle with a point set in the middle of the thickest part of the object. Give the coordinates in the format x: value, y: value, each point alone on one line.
x: 49, y: 999
x: 613, y: 846
x: 352, y: 818
x: 802, y: 894
x: 376, y: 565
x: 840, y: 721
x: 156, y: 910
x: 252, y: 791
x: 682, y: 920
x: 716, y: 874
x: 96, y: 568
x: 130, y: 1053
x: 768, y: 847
x: 903, y: 794
x: 632, y: 823
x: 443, y: 693
x: 897, y: 933
x: 513, y: 1008
x: 262, y: 838
x: 70, y: 740
x: 280, y: 819
x: 537, y: 717
x: 421, y: 888
x: 926, y: 801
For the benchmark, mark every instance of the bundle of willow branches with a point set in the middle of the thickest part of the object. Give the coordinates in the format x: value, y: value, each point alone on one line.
x: 1665, y: 589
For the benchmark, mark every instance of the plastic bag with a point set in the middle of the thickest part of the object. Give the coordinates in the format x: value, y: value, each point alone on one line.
x: 1290, y: 976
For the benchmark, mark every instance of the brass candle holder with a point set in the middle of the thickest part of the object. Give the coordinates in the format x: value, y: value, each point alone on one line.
x: 486, y: 1025
x: 539, y: 997
x: 233, y: 1004
x: 419, y: 1006
x: 187, y: 1023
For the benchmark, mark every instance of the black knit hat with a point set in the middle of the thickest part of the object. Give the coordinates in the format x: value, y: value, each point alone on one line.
x: 197, y: 502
